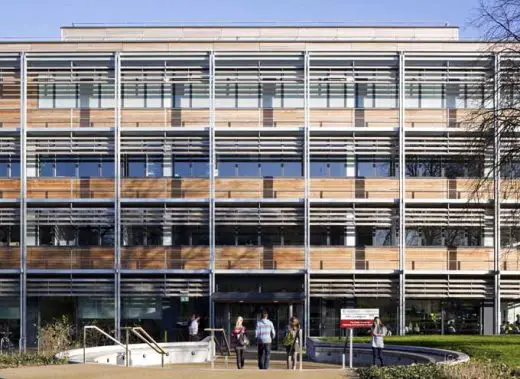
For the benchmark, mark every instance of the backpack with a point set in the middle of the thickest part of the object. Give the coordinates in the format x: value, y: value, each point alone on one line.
x: 289, y: 338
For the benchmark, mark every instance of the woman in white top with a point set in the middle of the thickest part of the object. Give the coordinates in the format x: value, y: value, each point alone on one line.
x: 377, y: 331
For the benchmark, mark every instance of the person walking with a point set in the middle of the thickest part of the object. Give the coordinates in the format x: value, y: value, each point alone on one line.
x: 291, y: 342
x: 264, y: 336
x: 239, y: 341
x: 193, y: 328
x: 377, y: 331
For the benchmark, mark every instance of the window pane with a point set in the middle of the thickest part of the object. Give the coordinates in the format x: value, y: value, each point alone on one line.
x: 318, y: 169
x: 181, y: 169
x: 88, y: 168
x: 107, y: 236
x: 154, y: 236
x: 155, y: 168
x: 65, y: 168
x: 226, y: 169
x: 15, y: 169
x: 136, y: 167
x: 365, y: 168
x: 225, y: 235
x: 271, y: 169
x: 337, y: 169
x: 337, y: 235
x: 382, y: 237
x: 319, y: 236
x: 107, y: 168
x: 248, y: 169
x: 46, y: 235
x: 413, y: 237
x: 455, y: 237
x: 46, y: 167
x: 4, y: 168
x: 292, y: 169
x: 454, y: 169
x: 66, y: 235
x: 200, y: 169
x: 431, y: 236
x: 382, y: 168
x: 88, y: 236
x: 247, y: 236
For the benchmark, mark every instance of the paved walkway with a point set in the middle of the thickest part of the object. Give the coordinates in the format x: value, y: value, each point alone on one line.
x: 95, y: 371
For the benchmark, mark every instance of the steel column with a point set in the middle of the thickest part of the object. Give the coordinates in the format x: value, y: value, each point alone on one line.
x: 496, y: 194
x: 212, y: 167
x: 402, y: 197
x: 306, y: 173
x: 117, y: 200
x: 23, y: 203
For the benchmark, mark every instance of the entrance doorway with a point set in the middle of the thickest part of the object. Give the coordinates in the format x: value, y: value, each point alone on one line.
x: 279, y: 314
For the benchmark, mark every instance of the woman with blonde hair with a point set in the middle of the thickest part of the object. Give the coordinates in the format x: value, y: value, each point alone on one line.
x: 377, y: 331
x: 239, y: 341
x: 291, y: 342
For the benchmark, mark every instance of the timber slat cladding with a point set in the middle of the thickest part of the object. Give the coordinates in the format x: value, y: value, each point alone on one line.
x: 9, y: 257
x: 258, y: 258
x: 443, y: 188
x: 150, y: 188
x: 9, y: 188
x: 67, y: 118
x: 165, y: 257
x: 58, y: 188
x: 61, y: 257
x: 443, y: 258
x: 164, y: 117
x: 267, y: 117
x: 510, y: 259
x: 272, y: 188
x: 331, y: 258
x: 329, y: 117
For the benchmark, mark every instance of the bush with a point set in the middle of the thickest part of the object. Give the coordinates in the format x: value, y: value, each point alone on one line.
x: 431, y: 371
x: 471, y: 370
x: 16, y: 360
x: 55, y: 337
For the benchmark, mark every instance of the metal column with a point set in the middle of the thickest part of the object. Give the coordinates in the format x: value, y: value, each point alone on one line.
x: 496, y: 194
x: 23, y: 204
x: 117, y: 200
x: 306, y: 173
x: 402, y: 199
x: 212, y: 167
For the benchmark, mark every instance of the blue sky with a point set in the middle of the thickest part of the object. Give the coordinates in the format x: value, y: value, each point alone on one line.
x: 42, y: 18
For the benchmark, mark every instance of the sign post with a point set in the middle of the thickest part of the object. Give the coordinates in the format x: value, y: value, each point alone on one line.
x: 355, y: 318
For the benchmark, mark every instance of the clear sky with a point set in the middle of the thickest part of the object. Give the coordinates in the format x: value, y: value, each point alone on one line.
x: 43, y: 18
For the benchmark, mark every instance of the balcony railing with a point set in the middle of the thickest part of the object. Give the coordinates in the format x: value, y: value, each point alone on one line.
x: 354, y: 117
x: 70, y: 188
x: 440, y: 118
x: 165, y: 257
x: 145, y: 188
x: 451, y: 259
x: 9, y: 257
x: 269, y: 188
x: 350, y: 188
x: 71, y: 118
x: 443, y: 188
x: 67, y: 257
x: 9, y: 188
x: 9, y: 117
x: 227, y: 118
x: 354, y: 258
x: 165, y: 118
x: 510, y: 259
x: 259, y: 257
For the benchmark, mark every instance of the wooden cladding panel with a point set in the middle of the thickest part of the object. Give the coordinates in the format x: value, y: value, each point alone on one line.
x: 254, y: 257
x: 443, y: 188
x: 9, y: 118
x: 453, y: 118
x: 377, y: 258
x: 149, y: 188
x: 165, y: 257
x: 269, y: 117
x: 70, y: 257
x: 331, y: 117
x: 66, y: 118
x: 330, y: 188
x: 57, y: 188
x: 380, y: 188
x: 377, y: 117
x: 9, y: 257
x: 510, y: 189
x: 237, y: 188
x: 9, y: 188
x: 442, y: 258
x: 332, y: 258
x: 377, y: 188
x: 165, y: 117
x: 510, y: 259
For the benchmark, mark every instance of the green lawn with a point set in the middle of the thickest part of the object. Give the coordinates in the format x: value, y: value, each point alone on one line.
x: 499, y: 349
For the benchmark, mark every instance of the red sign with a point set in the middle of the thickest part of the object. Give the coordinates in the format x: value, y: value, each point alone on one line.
x: 355, y: 324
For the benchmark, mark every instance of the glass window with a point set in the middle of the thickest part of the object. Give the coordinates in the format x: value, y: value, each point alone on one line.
x: 364, y: 236
x: 225, y: 235
x: 318, y: 169
x: 181, y: 169
x: 247, y: 236
x: 337, y: 169
x: 455, y: 237
x: 382, y: 237
x: 136, y: 167
x: 65, y: 168
x: 66, y: 235
x: 292, y: 169
x: 66, y: 95
x: 382, y: 168
x: 271, y: 169
x: 15, y: 169
x: 431, y: 236
x: 385, y: 95
x: 88, y: 167
x: 413, y: 237
x: 199, y: 236
x: 292, y: 235
x: 133, y: 95
x: 107, y: 236
x: 107, y: 168
x: 319, y: 235
x: 154, y: 167
x: 154, y: 236
x: 454, y: 169
x: 154, y: 95
x: 88, y: 236
x: 271, y: 236
x: 45, y: 235
x: 432, y: 96
x: 365, y: 168
x: 337, y: 235
x: 412, y: 97
x: 227, y: 169
x: 135, y: 235
x: 250, y: 169
x: 4, y: 168
x: 199, y: 169
x: 248, y: 95
x: 46, y: 167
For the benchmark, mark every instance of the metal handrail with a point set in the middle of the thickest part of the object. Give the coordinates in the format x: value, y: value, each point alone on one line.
x: 106, y: 335
x: 146, y: 338
x: 214, y: 341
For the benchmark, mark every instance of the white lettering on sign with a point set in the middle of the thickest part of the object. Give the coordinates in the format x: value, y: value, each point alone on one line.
x: 357, y: 318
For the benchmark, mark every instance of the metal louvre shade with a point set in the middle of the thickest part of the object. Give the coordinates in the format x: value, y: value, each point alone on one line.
x: 9, y: 286
x: 70, y: 286
x: 192, y: 146
x: 70, y: 216
x: 260, y: 144
x: 167, y: 216
x: 259, y: 216
x: 70, y: 144
x: 450, y: 287
x: 169, y: 287
x: 353, y: 286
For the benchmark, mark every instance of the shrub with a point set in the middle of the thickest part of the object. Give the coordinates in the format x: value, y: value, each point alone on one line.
x: 16, y: 360
x: 478, y: 370
x: 55, y: 337
x: 420, y: 371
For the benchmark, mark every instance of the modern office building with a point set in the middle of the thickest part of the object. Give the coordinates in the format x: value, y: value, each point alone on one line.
x: 151, y: 172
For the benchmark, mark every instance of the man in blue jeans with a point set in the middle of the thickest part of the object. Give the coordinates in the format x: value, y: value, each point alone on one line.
x: 264, y: 337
